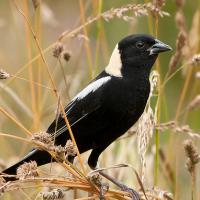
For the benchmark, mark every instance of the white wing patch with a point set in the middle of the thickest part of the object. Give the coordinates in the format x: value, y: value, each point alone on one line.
x: 115, y: 64
x: 91, y: 88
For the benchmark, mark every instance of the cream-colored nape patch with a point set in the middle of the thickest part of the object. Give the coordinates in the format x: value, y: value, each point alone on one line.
x: 115, y: 63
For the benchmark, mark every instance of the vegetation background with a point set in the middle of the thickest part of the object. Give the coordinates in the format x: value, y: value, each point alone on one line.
x: 87, y: 38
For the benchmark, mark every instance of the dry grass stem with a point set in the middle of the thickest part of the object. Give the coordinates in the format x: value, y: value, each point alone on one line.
x: 51, y: 80
x: 167, y: 167
x: 36, y: 3
x: 15, y: 121
x: 158, y: 194
x: 194, y: 103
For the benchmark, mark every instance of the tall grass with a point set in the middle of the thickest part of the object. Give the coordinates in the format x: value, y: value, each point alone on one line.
x: 38, y: 85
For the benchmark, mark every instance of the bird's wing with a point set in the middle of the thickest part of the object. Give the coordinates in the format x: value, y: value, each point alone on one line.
x: 83, y: 104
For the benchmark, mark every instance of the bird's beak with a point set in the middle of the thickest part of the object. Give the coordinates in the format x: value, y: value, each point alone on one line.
x: 159, y: 47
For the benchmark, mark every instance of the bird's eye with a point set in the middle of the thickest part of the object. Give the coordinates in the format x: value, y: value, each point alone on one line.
x: 139, y: 44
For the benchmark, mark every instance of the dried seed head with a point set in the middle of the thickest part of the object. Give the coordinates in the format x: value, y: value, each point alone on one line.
x: 58, y: 49
x: 54, y: 194
x: 144, y: 132
x: 137, y: 9
x: 95, y: 178
x: 166, y: 125
x: 4, y: 74
x: 192, y: 154
x: 181, y: 40
x: 43, y: 137
x: 196, y: 59
x: 154, y: 78
x: 159, y: 3
x: 180, y: 20
x: 180, y: 43
x: 70, y: 148
x: 66, y: 55
x: 194, y: 103
x: 60, y: 152
x: 27, y: 170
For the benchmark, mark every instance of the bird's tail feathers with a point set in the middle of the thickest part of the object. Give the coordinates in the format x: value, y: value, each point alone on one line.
x: 41, y: 157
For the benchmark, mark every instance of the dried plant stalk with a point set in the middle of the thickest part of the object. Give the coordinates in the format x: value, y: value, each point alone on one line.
x: 192, y: 160
x: 180, y: 43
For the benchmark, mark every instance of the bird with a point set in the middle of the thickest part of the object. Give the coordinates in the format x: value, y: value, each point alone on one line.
x: 109, y: 105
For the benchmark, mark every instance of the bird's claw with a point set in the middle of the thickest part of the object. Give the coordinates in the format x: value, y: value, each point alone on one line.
x: 103, y: 189
x: 132, y: 192
x: 97, y: 180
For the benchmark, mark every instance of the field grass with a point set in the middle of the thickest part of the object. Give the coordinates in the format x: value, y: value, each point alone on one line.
x: 50, y: 50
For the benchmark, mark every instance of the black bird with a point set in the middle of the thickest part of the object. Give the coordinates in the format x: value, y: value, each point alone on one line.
x: 110, y: 104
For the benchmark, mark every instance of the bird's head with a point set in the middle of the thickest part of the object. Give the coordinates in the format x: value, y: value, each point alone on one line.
x: 133, y: 52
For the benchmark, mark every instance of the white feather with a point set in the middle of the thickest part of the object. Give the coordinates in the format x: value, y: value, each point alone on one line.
x: 91, y: 88
x: 115, y: 63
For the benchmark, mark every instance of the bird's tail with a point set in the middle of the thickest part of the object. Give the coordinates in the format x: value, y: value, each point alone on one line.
x: 41, y: 157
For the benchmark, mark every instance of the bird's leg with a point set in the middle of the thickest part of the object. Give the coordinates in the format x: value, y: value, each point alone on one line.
x: 134, y: 194
x: 92, y: 161
x: 97, y: 180
x: 71, y: 159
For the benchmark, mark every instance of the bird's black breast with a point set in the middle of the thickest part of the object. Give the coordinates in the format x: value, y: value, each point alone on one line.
x: 124, y: 102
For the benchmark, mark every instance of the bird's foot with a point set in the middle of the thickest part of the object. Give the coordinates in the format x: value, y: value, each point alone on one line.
x: 103, y: 187
x: 132, y: 192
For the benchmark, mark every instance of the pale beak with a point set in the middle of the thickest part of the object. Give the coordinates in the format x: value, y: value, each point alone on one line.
x: 159, y: 47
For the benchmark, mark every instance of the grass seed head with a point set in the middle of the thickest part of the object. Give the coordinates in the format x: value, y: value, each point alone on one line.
x: 70, y: 148
x: 180, y: 43
x: 58, y: 49
x: 4, y: 74
x: 195, y: 60
x: 66, y: 55
x: 194, y: 103
x: 27, y: 170
x: 159, y: 3
x: 192, y: 154
x: 52, y: 195
x: 180, y: 20
x: 43, y: 137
